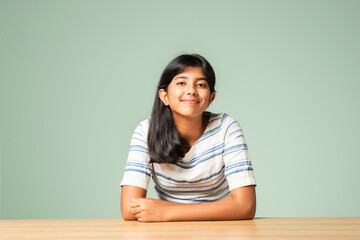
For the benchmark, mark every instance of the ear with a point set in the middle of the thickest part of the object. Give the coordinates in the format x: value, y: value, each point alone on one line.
x: 212, y: 97
x: 164, y: 97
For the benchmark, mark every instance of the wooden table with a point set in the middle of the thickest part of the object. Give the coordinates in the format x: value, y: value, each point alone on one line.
x: 260, y: 228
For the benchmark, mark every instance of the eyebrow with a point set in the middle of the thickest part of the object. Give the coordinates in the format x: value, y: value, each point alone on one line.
x: 183, y: 77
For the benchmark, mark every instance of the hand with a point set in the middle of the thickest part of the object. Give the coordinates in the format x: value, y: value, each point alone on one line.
x: 149, y: 210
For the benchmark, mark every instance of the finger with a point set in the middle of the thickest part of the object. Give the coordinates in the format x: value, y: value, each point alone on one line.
x: 137, y: 216
x: 135, y: 210
x: 135, y: 203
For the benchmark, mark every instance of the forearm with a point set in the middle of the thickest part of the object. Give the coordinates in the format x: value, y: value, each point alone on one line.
x: 226, y: 209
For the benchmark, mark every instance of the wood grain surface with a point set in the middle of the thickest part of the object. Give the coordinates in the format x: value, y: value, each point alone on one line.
x: 260, y: 228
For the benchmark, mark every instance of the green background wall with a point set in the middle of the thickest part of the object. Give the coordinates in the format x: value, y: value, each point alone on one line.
x: 76, y: 77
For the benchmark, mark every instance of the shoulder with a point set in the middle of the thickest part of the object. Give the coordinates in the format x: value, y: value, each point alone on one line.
x: 143, y: 127
x: 144, y: 124
x: 223, y: 124
x: 221, y: 120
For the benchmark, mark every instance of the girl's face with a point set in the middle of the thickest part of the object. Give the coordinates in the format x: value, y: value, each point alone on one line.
x: 188, y: 94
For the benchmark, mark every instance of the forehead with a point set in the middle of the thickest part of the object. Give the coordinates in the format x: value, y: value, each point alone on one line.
x: 188, y: 72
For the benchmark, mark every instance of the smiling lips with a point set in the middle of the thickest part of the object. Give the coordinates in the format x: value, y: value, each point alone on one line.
x: 190, y: 101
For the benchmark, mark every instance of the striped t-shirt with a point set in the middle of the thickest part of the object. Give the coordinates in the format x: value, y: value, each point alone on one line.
x: 216, y: 164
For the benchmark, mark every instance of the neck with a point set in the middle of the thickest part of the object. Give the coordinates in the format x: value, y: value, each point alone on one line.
x: 190, y: 129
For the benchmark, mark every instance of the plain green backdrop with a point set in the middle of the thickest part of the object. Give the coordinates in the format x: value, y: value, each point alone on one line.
x: 76, y: 77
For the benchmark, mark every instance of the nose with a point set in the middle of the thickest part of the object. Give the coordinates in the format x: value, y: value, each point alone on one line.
x: 191, y: 90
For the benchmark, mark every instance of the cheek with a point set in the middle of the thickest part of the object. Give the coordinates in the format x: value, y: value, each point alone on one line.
x: 174, y: 93
x: 205, y: 95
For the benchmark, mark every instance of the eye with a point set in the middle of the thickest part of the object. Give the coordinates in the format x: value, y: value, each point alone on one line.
x: 202, y: 85
x: 180, y: 83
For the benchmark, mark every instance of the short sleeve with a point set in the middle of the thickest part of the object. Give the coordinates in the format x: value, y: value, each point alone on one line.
x: 238, y: 167
x: 137, y: 170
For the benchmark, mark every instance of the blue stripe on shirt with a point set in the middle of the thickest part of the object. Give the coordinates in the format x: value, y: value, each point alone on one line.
x: 138, y: 148
x: 137, y: 165
x: 135, y: 138
x: 237, y: 164
x: 239, y: 170
x: 236, y: 131
x: 199, y: 156
x: 138, y: 134
x: 235, y: 147
x: 209, y: 157
x: 136, y: 170
x: 230, y: 125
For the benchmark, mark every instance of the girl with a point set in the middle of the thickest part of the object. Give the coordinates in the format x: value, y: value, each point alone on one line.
x: 193, y: 156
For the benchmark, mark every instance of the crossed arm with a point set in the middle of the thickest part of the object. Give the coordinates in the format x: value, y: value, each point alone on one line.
x: 135, y: 206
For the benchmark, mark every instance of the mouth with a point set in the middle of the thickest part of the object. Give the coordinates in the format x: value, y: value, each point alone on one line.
x: 190, y: 101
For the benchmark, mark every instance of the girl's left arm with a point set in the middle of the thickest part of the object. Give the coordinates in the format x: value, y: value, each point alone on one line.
x: 241, y: 205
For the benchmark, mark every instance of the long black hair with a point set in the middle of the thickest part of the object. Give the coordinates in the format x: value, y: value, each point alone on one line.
x: 165, y: 144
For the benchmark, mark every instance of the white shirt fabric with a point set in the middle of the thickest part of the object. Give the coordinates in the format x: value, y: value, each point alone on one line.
x: 216, y: 164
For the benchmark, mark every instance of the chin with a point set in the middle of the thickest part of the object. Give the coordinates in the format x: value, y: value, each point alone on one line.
x: 190, y: 114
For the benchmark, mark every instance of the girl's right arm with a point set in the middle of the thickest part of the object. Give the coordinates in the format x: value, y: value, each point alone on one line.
x: 128, y: 193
